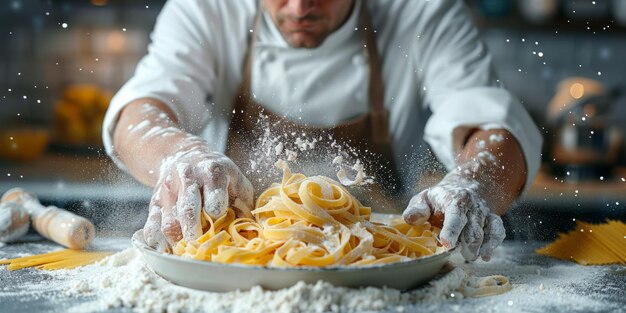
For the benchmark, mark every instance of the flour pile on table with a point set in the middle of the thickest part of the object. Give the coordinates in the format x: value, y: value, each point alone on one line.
x: 124, y: 280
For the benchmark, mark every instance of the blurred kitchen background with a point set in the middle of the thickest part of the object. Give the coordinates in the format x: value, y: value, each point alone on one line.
x: 61, y: 60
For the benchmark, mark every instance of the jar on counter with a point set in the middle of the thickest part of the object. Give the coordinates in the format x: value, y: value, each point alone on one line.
x: 538, y: 11
x: 618, y: 7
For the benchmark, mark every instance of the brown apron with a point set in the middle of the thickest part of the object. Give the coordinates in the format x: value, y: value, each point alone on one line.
x: 367, y: 133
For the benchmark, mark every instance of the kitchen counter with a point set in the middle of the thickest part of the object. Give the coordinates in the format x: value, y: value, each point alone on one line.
x: 540, y: 284
x: 558, y: 194
x: 94, y: 176
x: 64, y: 177
x: 91, y: 185
x: 609, y: 192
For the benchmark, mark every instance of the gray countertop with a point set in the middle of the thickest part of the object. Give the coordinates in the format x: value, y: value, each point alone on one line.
x: 568, y: 287
x: 63, y: 177
x: 59, y: 176
x: 540, y: 284
x: 93, y: 186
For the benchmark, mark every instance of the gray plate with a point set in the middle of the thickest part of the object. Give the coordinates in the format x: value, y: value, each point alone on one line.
x: 229, y: 277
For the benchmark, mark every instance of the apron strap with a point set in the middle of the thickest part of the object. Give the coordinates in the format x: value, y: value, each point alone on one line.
x: 379, y: 115
x: 252, y: 40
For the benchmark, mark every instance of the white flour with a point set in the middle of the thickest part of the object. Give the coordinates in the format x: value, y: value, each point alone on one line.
x: 139, y: 126
x: 124, y: 281
x: 496, y: 138
x: 307, y: 153
x: 14, y: 221
x: 359, y: 180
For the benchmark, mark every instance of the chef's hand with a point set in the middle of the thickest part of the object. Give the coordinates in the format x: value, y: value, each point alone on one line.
x: 185, y: 172
x: 468, y: 202
x: 191, y: 180
x: 467, y: 220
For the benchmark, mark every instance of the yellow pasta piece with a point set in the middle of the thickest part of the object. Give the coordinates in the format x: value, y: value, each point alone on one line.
x: 309, y: 221
x: 477, y: 287
x: 62, y: 259
x: 591, y: 244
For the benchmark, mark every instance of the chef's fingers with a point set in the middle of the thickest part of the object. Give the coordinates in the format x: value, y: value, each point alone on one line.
x: 215, y: 201
x: 215, y: 192
x: 473, y: 234
x: 494, y: 235
x: 455, y: 204
x: 241, y: 191
x: 170, y: 227
x: 418, y: 210
x: 152, y: 228
x: 188, y: 209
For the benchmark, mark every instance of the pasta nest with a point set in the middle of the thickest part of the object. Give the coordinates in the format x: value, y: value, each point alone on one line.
x: 309, y: 221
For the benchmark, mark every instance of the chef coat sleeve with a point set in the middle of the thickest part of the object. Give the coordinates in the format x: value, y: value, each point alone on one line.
x: 460, y: 86
x: 178, y: 70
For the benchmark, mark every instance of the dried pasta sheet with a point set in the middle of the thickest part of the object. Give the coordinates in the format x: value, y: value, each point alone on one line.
x: 591, y: 244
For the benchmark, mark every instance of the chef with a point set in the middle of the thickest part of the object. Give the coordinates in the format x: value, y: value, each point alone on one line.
x: 397, y: 75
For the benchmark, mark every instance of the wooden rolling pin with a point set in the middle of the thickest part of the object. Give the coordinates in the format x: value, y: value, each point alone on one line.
x: 14, y: 221
x: 54, y: 223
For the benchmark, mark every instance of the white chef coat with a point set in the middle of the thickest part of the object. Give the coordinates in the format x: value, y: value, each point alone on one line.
x: 437, y: 75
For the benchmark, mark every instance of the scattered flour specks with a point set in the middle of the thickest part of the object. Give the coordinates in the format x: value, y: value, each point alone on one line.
x: 496, y: 138
x: 123, y: 281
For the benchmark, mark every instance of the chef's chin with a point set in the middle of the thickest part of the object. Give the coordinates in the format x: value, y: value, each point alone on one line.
x: 305, y: 39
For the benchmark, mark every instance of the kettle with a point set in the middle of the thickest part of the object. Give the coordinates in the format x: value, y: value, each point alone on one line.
x: 586, y: 140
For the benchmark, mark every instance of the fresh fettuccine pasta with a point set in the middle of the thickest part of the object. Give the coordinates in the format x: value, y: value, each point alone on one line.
x: 309, y: 221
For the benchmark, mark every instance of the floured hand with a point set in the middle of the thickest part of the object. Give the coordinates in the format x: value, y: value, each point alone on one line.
x: 193, y: 179
x: 491, y: 172
x: 467, y: 221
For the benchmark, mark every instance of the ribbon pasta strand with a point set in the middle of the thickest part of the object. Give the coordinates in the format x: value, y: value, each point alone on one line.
x: 309, y: 221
